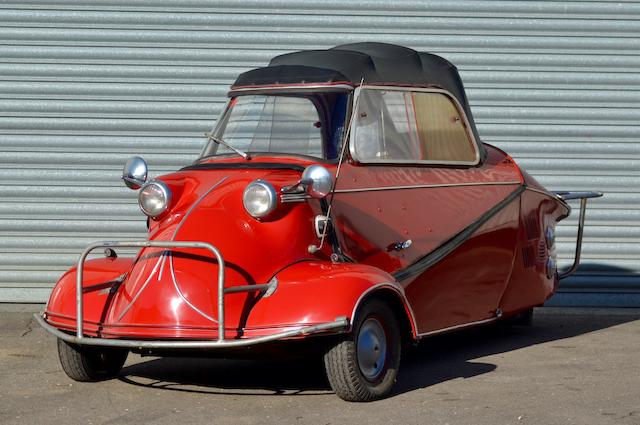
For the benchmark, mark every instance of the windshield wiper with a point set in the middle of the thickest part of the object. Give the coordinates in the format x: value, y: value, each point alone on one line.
x: 219, y: 141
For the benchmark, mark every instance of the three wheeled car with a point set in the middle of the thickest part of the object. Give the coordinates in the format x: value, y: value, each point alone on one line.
x: 345, y: 198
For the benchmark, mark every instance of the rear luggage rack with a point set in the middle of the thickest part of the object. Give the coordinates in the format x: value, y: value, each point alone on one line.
x: 583, y: 196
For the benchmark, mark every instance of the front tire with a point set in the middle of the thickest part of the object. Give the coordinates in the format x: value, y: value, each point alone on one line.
x: 87, y: 364
x: 364, y: 366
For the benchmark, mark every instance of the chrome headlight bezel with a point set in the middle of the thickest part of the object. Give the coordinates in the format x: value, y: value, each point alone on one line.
x: 269, y: 199
x: 163, y: 197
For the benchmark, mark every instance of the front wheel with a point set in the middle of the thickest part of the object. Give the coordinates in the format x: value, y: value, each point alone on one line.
x: 364, y: 366
x: 87, y: 364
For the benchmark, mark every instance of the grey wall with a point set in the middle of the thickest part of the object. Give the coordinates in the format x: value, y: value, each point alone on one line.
x: 85, y: 85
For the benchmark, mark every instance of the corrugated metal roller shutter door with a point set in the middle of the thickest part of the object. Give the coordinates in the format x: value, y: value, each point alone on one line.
x: 83, y: 86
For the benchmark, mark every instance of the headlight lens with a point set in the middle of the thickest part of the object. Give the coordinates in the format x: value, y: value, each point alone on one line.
x: 154, y: 198
x: 259, y: 198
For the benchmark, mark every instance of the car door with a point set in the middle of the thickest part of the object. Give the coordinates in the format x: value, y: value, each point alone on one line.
x: 415, y: 183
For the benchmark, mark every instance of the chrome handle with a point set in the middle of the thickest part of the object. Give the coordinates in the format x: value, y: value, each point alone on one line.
x: 399, y: 246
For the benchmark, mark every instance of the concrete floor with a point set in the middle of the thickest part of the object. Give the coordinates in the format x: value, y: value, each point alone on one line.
x: 575, y: 367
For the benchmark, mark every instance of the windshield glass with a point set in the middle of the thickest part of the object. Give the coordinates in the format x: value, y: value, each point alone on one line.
x: 310, y: 125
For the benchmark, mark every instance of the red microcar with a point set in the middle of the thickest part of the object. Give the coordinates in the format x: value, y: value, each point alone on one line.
x: 343, y: 201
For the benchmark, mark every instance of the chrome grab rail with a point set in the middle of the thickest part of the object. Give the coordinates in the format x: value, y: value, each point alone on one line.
x: 583, y: 196
x: 150, y: 244
x: 269, y: 288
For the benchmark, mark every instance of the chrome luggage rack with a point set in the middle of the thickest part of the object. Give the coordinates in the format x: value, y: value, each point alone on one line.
x: 583, y: 196
x: 80, y: 339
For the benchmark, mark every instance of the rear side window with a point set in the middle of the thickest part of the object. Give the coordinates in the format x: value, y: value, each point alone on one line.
x: 405, y: 126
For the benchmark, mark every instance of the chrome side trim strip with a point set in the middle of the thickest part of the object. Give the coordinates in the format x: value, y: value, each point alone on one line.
x: 195, y: 204
x: 144, y: 285
x: 457, y: 327
x: 455, y: 241
x: 339, y: 323
x: 426, y: 186
x: 294, y: 197
x: 176, y: 285
x: 293, y: 87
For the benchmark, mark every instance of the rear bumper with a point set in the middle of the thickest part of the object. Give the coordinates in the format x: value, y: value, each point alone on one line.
x: 341, y: 323
x: 582, y: 196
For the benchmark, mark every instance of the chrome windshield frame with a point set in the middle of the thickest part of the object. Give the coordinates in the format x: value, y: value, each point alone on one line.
x: 276, y: 90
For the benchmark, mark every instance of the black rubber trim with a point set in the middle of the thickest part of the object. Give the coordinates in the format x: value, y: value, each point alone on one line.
x: 245, y: 165
x: 447, y: 247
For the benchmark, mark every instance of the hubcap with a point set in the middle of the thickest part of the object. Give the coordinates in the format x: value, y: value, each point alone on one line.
x: 371, y: 348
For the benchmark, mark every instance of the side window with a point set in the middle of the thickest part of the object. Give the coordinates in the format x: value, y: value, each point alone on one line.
x: 410, y: 127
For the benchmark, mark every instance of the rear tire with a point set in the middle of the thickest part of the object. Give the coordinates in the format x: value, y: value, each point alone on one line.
x: 364, y: 365
x: 87, y: 364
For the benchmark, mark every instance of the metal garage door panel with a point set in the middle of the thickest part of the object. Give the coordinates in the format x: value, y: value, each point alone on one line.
x: 83, y: 86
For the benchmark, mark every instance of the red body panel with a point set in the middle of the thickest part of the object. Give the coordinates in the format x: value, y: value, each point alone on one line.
x: 319, y: 290
x: 467, y: 285
x: 429, y: 206
x: 172, y: 294
x: 528, y: 280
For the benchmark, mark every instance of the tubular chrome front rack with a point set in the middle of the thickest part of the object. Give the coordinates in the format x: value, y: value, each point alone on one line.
x: 221, y: 342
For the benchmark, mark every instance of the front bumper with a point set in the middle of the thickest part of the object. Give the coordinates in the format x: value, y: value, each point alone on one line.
x: 340, y: 323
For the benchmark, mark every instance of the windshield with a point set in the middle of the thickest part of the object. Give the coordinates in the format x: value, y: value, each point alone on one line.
x: 310, y: 125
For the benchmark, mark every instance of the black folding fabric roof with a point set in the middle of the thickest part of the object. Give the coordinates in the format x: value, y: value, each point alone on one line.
x: 373, y: 63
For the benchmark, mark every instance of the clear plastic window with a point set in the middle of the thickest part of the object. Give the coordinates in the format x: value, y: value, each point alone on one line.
x: 410, y: 126
x: 282, y: 124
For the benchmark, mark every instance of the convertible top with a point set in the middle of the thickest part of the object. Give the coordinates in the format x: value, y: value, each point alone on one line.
x: 373, y: 63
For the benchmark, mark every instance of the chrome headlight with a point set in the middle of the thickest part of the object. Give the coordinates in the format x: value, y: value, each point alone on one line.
x: 259, y: 198
x: 154, y: 198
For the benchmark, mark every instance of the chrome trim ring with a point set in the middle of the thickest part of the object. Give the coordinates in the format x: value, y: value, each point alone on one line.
x: 166, y: 193
x: 426, y: 186
x: 371, y: 349
x: 271, y: 192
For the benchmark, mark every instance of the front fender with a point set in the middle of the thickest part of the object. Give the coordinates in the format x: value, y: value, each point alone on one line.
x: 101, y: 277
x: 313, y: 292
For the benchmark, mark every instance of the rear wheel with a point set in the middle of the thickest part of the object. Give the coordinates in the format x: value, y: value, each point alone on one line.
x: 364, y: 366
x: 86, y: 364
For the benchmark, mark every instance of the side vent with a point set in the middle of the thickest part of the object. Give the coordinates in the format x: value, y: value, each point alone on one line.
x: 542, y: 251
x: 528, y: 256
x: 531, y: 226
